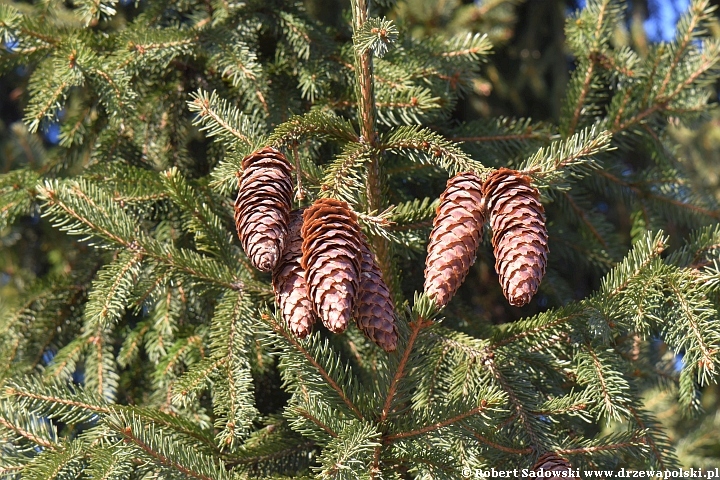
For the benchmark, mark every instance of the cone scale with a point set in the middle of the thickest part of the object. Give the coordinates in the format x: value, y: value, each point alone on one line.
x: 455, y: 237
x: 263, y: 206
x: 331, y: 245
x: 291, y: 292
x: 375, y: 313
x: 520, y: 239
x: 553, y: 466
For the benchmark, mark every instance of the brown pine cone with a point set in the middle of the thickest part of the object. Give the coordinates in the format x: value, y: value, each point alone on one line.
x: 551, y: 462
x: 331, y: 259
x: 288, y: 280
x: 520, y: 239
x: 455, y: 237
x: 263, y: 205
x: 375, y: 313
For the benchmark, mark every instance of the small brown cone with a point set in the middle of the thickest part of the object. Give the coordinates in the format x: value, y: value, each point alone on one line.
x: 520, y: 239
x: 375, y: 313
x: 551, y: 462
x: 263, y: 205
x: 288, y: 279
x: 455, y: 237
x: 331, y: 259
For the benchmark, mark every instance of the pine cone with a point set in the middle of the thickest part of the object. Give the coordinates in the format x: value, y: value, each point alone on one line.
x: 331, y: 259
x: 263, y: 205
x: 550, y: 462
x: 456, y: 235
x: 289, y: 284
x: 520, y: 239
x: 375, y: 313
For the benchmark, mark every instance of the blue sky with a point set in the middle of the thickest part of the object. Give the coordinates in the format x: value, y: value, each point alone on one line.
x: 663, y: 15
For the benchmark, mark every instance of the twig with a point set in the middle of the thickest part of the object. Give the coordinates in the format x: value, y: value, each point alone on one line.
x: 438, y: 425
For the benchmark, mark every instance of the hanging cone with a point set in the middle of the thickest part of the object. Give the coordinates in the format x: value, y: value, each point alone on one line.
x: 520, y: 239
x: 375, y: 314
x: 550, y: 463
x: 263, y: 205
x: 331, y: 259
x: 289, y: 284
x: 455, y: 237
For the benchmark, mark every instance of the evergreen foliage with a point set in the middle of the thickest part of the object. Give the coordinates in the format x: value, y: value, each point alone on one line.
x: 148, y: 346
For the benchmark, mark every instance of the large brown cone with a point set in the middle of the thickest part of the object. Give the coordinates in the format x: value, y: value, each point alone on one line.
x: 375, y: 314
x: 263, y: 205
x: 551, y: 462
x: 455, y: 237
x: 520, y: 239
x: 288, y: 279
x: 331, y: 259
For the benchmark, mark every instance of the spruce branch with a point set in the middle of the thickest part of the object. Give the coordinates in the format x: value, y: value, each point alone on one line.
x: 111, y: 290
x: 82, y: 208
x: 502, y: 448
x: 349, y: 453
x: 438, y: 425
x: 573, y: 157
x: 653, y: 437
x: 472, y: 46
x: 367, y: 118
x: 598, y: 37
x: 650, y: 194
x: 151, y: 443
x: 416, y: 326
x: 317, y: 122
x: 230, y: 342
x: 288, y: 337
x: 220, y: 119
x: 106, y: 463
x: 91, y: 11
x: 377, y: 35
x: 56, y: 400
x: 344, y: 178
x: 27, y: 426
x: 305, y: 414
x: 425, y: 146
x: 699, y: 13
x: 64, y: 460
x: 595, y: 369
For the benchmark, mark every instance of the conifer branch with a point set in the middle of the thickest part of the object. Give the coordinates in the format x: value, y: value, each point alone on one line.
x: 502, y: 448
x: 333, y: 384
x: 161, y: 419
x: 254, y: 460
x: 57, y: 400
x: 583, y: 216
x: 306, y: 414
x: 598, y: 448
x: 519, y: 407
x: 365, y: 95
x: 500, y: 138
x: 640, y: 193
x: 438, y: 425
x: 611, y: 386
x: 590, y: 70
x: 213, y: 113
x: 129, y: 436
x: 710, y: 59
x: 708, y: 354
x: 28, y: 435
x: 415, y: 327
x: 648, y: 438
x: 697, y: 12
x: 534, y: 331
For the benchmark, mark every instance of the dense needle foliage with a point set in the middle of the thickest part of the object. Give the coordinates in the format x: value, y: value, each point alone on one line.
x: 137, y: 341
